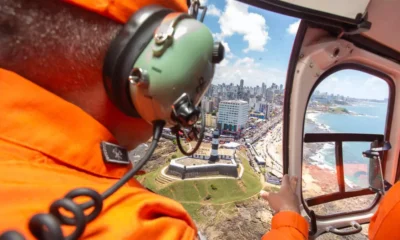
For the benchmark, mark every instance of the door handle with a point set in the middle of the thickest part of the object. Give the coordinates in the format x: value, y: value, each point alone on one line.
x: 357, y: 228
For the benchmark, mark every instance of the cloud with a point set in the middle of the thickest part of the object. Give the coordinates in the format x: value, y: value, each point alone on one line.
x: 292, y: 29
x: 226, y: 47
x: 332, y: 78
x: 224, y: 62
x: 212, y: 10
x: 246, y: 62
x: 249, y: 70
x: 373, y: 81
x: 228, y: 52
x: 236, y: 19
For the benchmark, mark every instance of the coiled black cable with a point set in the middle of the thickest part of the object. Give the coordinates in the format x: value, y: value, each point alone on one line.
x: 194, y: 130
x: 47, y: 226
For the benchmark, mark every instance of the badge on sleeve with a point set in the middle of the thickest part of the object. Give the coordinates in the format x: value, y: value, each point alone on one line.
x: 113, y: 153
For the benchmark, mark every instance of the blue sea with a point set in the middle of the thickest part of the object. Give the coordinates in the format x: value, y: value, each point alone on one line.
x: 368, y: 117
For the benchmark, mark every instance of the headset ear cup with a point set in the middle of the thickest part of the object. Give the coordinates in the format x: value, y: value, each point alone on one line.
x: 124, y: 51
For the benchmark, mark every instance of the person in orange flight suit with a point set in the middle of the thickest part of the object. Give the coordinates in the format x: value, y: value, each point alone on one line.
x: 55, y: 112
x: 384, y: 224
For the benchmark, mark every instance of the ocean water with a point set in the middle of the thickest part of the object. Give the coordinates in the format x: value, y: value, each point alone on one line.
x: 368, y: 118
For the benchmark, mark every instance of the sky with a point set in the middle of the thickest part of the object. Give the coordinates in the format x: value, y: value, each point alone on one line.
x: 355, y: 84
x: 258, y: 44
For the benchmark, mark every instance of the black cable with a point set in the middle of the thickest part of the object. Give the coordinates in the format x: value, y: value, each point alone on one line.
x: 199, y: 140
x: 203, y: 14
x: 157, y: 132
x: 48, y: 226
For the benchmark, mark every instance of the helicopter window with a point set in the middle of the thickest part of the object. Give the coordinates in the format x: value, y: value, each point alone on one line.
x: 345, y: 114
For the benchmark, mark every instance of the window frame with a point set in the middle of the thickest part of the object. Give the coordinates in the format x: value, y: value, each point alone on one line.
x: 388, y: 124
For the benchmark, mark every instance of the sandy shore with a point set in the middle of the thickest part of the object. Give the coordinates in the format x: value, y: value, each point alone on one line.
x: 317, y: 177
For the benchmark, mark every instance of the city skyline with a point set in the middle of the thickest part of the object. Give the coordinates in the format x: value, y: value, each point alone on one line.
x: 329, y: 86
x: 258, y: 44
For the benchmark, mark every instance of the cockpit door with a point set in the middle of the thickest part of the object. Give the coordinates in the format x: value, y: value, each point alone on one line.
x: 334, y: 37
x: 319, y: 53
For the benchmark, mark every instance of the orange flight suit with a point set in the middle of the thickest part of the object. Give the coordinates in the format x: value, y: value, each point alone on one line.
x: 49, y: 146
x: 385, y: 224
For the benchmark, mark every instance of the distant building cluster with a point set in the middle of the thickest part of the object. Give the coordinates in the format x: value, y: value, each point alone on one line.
x: 230, y: 108
x: 241, y: 92
x: 325, y: 98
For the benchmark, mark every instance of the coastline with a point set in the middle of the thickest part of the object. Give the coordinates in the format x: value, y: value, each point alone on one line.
x: 319, y: 174
x: 318, y: 177
x: 314, y: 157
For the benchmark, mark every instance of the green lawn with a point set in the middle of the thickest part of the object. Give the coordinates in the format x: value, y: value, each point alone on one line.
x: 193, y: 193
x: 228, y: 190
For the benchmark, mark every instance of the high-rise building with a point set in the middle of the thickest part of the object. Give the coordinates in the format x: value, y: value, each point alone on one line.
x: 240, y: 93
x: 252, y: 102
x: 281, y: 87
x: 270, y: 95
x: 258, y: 90
x: 263, y: 88
x: 261, y: 107
x: 209, y: 92
x: 211, y: 121
x: 204, y: 102
x: 215, y: 101
x: 232, y: 115
x: 208, y: 106
x: 267, y: 111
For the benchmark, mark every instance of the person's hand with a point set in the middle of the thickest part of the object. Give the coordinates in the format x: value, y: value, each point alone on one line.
x: 286, y: 199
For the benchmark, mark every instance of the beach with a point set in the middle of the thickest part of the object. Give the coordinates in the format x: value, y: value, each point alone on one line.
x: 319, y: 176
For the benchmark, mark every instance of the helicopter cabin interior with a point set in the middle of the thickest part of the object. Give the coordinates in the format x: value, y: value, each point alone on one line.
x: 338, y: 37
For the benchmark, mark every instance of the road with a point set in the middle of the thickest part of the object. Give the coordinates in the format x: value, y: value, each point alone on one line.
x: 272, y: 165
x: 260, y: 132
x: 259, y: 147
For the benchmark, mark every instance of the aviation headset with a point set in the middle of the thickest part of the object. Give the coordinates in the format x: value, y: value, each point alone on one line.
x: 157, y: 68
x: 160, y: 65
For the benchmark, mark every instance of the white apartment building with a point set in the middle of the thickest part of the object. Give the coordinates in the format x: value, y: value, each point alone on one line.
x: 233, y: 115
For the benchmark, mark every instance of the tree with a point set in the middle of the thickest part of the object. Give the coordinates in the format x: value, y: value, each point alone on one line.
x: 208, y: 197
x: 174, y: 156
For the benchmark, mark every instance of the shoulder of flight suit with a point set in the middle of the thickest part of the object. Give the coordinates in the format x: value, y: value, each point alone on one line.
x: 49, y: 147
x: 287, y: 225
x: 386, y: 221
x: 38, y: 166
x: 121, y: 10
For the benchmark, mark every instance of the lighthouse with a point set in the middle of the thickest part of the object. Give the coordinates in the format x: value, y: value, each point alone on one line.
x: 214, y: 147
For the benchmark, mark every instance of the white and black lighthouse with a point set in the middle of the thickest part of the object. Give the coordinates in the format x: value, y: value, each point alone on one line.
x: 214, y: 147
